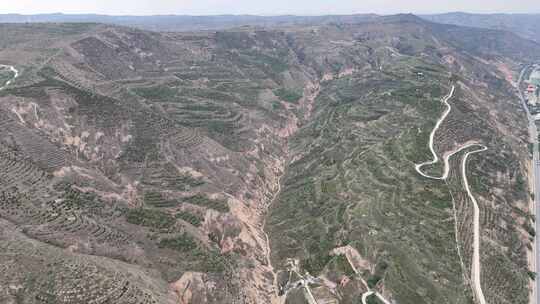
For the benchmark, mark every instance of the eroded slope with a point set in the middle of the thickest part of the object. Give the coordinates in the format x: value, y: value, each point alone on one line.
x: 159, y: 155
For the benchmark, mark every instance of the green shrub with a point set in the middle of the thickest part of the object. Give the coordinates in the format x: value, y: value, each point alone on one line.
x: 5, y: 76
x: 190, y: 218
x: 314, y: 264
x: 210, y: 261
x: 204, y: 201
x: 318, y: 248
x: 373, y: 280
x: 155, y: 199
x: 343, y: 265
x: 276, y: 106
x: 288, y: 95
x: 150, y: 218
x: 372, y: 299
x: 182, y: 243
x: 158, y: 93
x: 213, y: 262
x: 270, y: 64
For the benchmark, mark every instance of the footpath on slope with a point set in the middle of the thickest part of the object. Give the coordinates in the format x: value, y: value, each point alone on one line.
x: 475, y: 270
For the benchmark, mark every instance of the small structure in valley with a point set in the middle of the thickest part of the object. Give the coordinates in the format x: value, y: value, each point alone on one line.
x: 532, y: 92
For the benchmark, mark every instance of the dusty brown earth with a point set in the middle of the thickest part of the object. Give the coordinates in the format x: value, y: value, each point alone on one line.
x: 244, y: 166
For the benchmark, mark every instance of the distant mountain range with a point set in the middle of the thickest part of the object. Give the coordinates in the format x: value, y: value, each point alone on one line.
x: 525, y: 25
x: 188, y: 23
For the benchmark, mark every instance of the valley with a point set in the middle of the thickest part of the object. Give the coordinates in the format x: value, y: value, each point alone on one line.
x: 382, y: 161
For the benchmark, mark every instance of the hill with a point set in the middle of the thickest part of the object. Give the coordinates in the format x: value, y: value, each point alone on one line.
x: 525, y: 25
x: 179, y: 23
x: 260, y: 165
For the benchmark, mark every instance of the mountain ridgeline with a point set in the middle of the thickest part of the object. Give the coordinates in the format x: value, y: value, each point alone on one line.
x: 525, y: 25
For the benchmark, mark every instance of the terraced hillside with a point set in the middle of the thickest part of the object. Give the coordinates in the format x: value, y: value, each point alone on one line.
x: 256, y: 166
x: 350, y: 181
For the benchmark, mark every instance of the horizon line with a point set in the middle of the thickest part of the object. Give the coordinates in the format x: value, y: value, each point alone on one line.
x: 268, y: 15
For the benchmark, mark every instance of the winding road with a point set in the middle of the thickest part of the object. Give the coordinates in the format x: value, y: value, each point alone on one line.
x: 368, y: 293
x: 12, y: 68
x: 418, y: 167
x: 475, y: 269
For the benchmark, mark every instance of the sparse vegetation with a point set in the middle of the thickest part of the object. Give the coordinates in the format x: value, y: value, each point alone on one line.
x: 150, y: 218
x: 288, y: 95
x: 157, y: 93
x: 204, y: 201
x: 190, y: 218
x: 5, y: 76
x: 181, y: 243
x: 117, y: 144
x: 372, y: 299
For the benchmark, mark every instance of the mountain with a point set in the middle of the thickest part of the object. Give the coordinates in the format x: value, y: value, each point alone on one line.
x: 188, y: 23
x: 262, y: 165
x: 525, y: 25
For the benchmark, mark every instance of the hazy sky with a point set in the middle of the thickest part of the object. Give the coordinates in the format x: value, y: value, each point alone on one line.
x: 264, y: 7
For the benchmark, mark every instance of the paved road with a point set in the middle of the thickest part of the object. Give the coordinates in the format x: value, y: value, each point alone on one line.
x: 533, y: 138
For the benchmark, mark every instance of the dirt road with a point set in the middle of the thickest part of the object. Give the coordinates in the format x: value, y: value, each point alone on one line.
x: 476, y: 269
x: 12, y: 68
